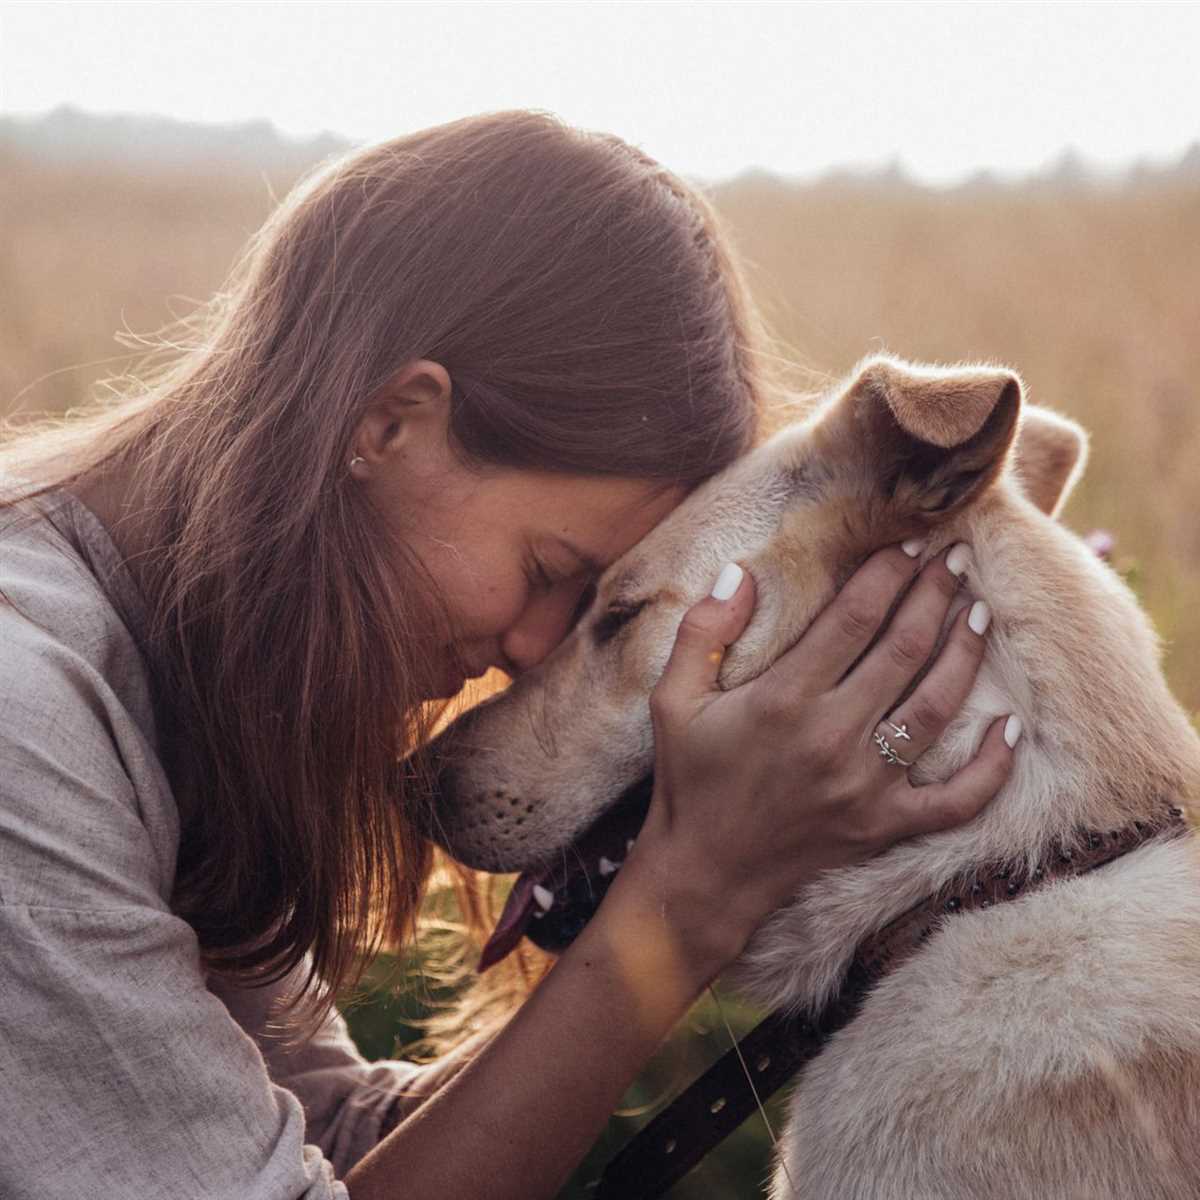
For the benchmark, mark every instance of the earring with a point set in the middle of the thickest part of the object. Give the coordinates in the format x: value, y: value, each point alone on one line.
x: 356, y: 460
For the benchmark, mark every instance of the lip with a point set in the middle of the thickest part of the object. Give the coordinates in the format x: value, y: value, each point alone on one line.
x: 468, y: 668
x: 461, y: 671
x: 454, y: 675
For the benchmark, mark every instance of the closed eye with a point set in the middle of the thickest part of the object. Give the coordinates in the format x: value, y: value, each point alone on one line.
x: 615, y: 619
x: 584, y: 603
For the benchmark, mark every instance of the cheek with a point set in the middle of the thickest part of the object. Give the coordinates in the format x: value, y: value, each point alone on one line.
x: 484, y: 606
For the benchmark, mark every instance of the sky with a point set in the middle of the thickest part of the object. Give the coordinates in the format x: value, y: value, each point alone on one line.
x: 710, y: 89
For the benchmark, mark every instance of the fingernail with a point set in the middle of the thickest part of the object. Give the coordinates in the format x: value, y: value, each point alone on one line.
x: 958, y: 559
x: 913, y: 547
x: 1012, y: 731
x: 727, y: 582
x: 979, y: 618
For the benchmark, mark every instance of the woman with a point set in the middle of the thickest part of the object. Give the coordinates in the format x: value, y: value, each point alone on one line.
x: 456, y: 376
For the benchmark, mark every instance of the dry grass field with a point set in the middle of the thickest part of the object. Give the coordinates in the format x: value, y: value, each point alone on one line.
x: 1091, y: 291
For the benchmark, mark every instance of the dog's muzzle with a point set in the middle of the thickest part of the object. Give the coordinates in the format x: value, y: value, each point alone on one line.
x: 551, y: 906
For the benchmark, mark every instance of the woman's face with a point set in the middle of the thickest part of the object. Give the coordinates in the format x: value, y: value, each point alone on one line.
x: 512, y: 552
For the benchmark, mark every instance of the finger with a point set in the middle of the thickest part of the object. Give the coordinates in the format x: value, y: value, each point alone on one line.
x: 851, y: 620
x: 919, y: 810
x: 905, y: 646
x: 705, y: 633
x: 914, y: 725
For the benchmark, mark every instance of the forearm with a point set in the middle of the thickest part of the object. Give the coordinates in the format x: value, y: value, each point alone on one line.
x: 523, y: 1113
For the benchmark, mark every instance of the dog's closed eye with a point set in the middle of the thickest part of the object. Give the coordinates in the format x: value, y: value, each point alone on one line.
x: 615, y: 618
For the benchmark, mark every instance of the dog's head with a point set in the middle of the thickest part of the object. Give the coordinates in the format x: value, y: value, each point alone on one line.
x: 899, y: 452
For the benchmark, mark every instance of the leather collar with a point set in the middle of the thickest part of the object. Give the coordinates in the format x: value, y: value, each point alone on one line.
x: 725, y: 1095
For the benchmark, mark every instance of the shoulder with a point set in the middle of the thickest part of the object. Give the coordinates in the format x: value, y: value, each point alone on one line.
x: 53, y: 554
x: 67, y: 602
x: 82, y: 781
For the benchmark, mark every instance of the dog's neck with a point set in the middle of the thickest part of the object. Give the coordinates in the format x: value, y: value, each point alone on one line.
x: 1072, y: 654
x: 1105, y: 743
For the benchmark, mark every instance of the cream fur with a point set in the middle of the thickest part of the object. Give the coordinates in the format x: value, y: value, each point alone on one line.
x: 1049, y: 1047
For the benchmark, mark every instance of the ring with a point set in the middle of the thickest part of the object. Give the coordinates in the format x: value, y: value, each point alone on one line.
x: 887, y: 751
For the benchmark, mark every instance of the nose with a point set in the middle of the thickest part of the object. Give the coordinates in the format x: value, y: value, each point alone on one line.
x: 543, y: 624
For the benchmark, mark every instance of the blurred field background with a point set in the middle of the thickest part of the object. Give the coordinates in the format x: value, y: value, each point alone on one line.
x: 1090, y: 288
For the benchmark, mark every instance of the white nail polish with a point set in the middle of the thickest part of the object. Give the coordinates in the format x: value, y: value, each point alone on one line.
x: 913, y: 547
x: 958, y: 559
x: 1012, y: 731
x: 979, y: 618
x: 727, y: 582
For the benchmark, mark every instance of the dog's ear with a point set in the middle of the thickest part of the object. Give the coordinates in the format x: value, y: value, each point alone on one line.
x: 937, y: 436
x: 1050, y: 456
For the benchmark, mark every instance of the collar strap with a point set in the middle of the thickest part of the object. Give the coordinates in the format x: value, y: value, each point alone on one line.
x: 703, y: 1115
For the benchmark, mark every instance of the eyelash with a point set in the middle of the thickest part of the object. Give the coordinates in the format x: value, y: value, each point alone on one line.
x: 586, y: 597
x: 539, y: 577
x: 615, y: 619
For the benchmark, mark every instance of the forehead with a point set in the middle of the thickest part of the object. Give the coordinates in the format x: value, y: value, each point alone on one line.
x: 598, y: 516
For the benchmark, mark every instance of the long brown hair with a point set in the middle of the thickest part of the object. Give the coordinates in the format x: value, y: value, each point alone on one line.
x: 593, y: 321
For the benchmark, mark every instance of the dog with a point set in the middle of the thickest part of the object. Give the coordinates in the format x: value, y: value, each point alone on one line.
x: 1048, y: 1046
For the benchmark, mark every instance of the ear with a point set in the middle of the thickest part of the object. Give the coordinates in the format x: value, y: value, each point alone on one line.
x: 410, y: 410
x: 1050, y: 456
x: 938, y: 436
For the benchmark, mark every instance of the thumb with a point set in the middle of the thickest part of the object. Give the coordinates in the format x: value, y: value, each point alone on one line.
x: 705, y: 633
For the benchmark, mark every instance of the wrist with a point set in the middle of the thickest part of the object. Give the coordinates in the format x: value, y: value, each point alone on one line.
x: 680, y: 891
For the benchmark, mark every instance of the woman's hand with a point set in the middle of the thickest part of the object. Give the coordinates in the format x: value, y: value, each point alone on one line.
x: 760, y: 788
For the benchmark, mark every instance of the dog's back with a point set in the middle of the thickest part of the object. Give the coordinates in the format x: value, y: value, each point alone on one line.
x: 1048, y: 1047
